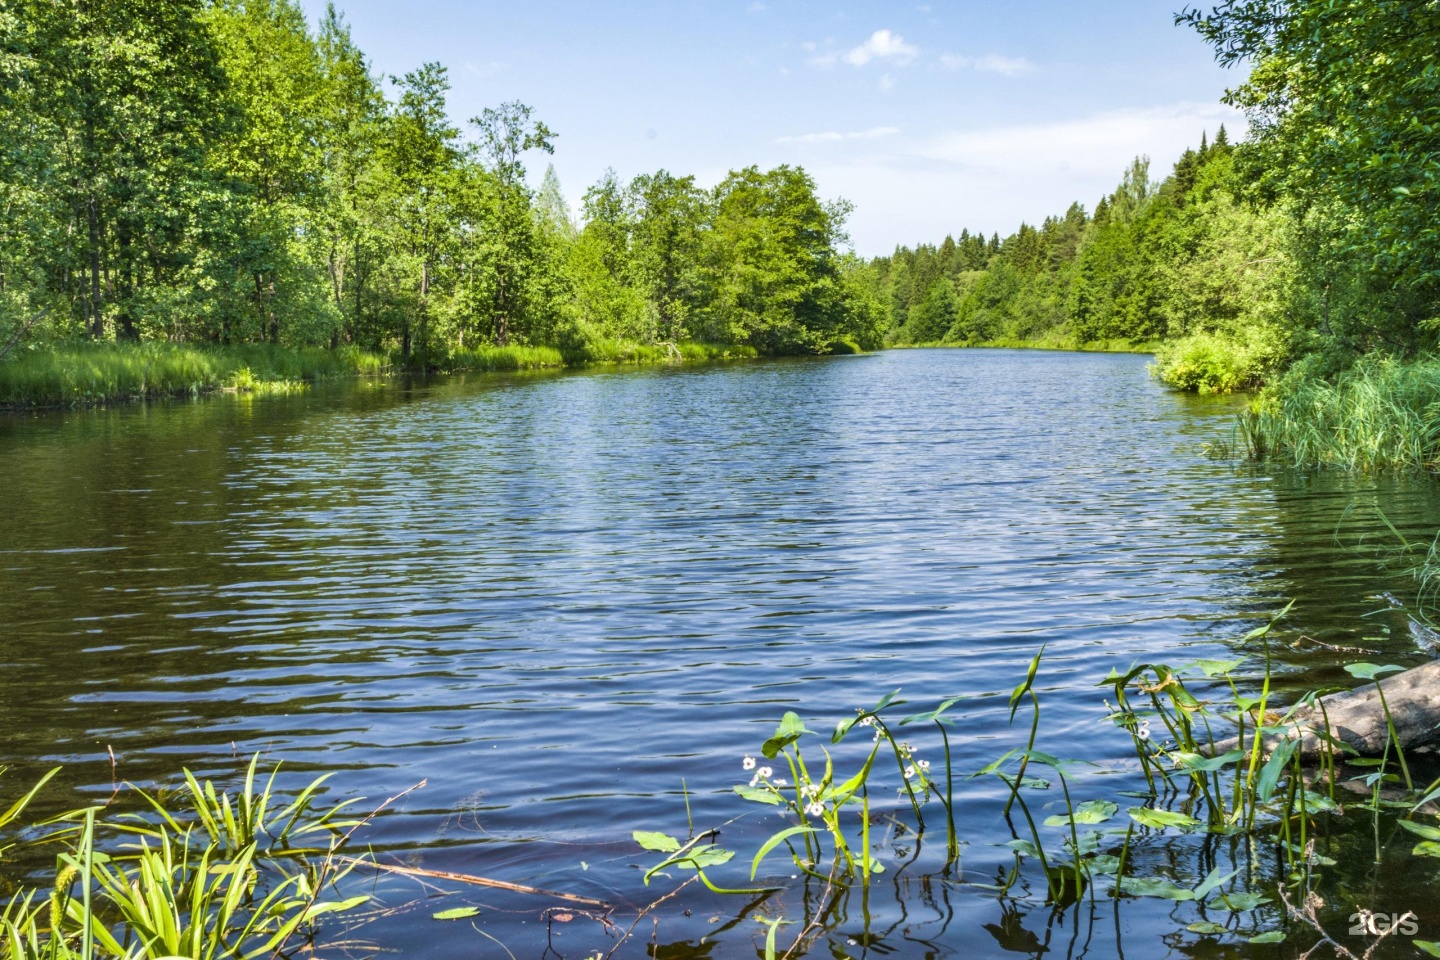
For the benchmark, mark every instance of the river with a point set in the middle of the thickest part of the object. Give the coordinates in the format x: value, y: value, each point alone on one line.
x: 556, y: 597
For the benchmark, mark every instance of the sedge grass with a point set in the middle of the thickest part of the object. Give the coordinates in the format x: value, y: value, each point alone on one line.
x: 1380, y: 414
x: 98, y: 373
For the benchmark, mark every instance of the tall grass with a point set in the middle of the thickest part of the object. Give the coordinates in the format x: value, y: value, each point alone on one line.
x: 95, y: 373
x: 208, y: 874
x: 1381, y: 413
x: 98, y: 373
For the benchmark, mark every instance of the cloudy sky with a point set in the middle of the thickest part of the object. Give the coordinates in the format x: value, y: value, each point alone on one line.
x: 928, y: 117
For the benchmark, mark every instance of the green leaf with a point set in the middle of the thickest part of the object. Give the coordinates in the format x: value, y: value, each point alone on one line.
x: 1240, y: 902
x: 1024, y: 688
x: 1091, y: 811
x: 932, y: 714
x: 1274, y: 936
x: 1369, y: 671
x: 1154, y: 887
x: 707, y: 856
x: 758, y: 795
x: 1205, y: 926
x: 1274, y: 768
x: 1431, y: 948
x: 1160, y: 819
x: 458, y: 913
x: 1023, y: 847
x: 1198, y: 764
x: 658, y: 842
x: 1215, y: 880
x: 791, y: 728
x: 1428, y: 832
x: 1102, y: 865
x: 774, y: 842
x: 1427, y: 848
x: 334, y: 906
x: 1219, y: 668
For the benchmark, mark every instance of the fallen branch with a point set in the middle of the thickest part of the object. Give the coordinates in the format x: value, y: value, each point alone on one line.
x: 479, y: 882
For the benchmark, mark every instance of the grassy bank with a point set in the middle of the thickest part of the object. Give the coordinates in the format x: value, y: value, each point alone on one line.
x: 104, y: 373
x: 1382, y: 413
x: 1057, y: 341
x: 98, y: 373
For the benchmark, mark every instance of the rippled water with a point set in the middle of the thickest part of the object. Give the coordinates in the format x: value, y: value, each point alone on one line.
x: 555, y: 596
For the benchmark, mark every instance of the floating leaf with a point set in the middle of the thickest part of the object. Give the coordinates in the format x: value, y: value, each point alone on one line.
x: 1274, y: 936
x: 1154, y: 887
x: 1431, y: 948
x: 1205, y: 926
x: 1215, y: 880
x: 1160, y: 819
x: 658, y: 842
x: 1091, y: 811
x: 1240, y: 901
x: 458, y: 913
x: 1103, y: 865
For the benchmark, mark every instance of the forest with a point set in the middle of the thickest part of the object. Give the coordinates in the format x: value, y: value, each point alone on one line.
x: 1308, y: 248
x: 223, y: 173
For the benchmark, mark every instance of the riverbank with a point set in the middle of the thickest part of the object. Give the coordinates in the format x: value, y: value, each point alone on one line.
x: 1063, y: 344
x: 90, y: 374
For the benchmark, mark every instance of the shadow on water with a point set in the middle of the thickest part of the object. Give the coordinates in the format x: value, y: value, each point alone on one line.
x: 557, y: 595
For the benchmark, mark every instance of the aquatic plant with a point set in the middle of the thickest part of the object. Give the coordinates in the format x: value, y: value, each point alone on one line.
x: 208, y: 873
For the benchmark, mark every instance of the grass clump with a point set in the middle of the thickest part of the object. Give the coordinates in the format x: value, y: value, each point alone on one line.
x: 506, y: 359
x: 97, y: 373
x: 1381, y: 413
x: 205, y: 874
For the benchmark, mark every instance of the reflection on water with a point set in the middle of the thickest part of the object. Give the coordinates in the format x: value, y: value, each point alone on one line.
x: 554, y: 596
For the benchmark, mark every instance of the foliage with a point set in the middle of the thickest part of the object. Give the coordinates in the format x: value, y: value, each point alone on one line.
x: 225, y: 173
x: 210, y: 874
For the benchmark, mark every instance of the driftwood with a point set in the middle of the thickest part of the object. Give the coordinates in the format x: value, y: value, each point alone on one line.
x: 1357, y: 717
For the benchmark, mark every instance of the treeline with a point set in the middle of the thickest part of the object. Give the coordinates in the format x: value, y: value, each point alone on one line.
x: 1186, y: 256
x: 1307, y: 247
x: 220, y: 171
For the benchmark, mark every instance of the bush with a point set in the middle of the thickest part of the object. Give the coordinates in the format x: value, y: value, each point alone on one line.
x: 1214, y: 363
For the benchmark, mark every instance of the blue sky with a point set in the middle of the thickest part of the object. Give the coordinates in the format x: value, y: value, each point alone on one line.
x: 928, y: 117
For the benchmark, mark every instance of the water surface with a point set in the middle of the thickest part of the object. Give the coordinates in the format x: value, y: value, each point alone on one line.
x: 553, y: 597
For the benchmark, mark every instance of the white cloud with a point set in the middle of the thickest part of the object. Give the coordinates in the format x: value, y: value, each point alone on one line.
x: 882, y: 45
x: 990, y: 63
x: 991, y: 179
x: 1009, y: 66
x: 874, y: 133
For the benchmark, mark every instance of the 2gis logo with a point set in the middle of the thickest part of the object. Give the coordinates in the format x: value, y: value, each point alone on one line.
x: 1367, y: 923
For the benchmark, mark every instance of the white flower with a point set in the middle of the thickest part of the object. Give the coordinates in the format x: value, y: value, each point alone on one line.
x: 811, y: 790
x: 748, y: 763
x: 910, y: 773
x: 754, y: 781
x: 815, y: 809
x: 867, y: 721
x: 923, y: 765
x: 779, y: 782
x: 1144, y: 732
x: 763, y: 773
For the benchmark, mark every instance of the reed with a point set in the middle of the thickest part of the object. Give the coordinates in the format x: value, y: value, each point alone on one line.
x: 99, y: 373
x: 1382, y: 413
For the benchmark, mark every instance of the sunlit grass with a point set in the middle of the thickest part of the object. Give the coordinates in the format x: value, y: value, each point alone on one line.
x: 95, y: 373
x: 1382, y: 413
